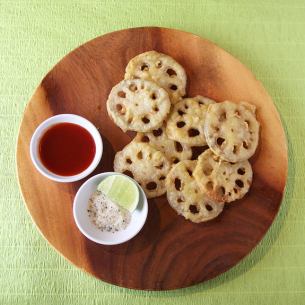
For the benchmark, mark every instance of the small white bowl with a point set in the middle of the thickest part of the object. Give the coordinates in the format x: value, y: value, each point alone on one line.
x: 85, y: 225
x: 65, y: 118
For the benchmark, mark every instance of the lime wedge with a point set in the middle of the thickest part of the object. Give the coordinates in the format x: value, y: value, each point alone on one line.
x: 121, y: 190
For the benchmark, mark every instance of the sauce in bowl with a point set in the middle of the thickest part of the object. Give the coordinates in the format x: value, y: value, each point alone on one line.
x: 66, y: 149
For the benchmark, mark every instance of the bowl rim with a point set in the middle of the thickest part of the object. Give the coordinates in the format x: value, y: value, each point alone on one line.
x: 114, y: 242
x: 65, y: 118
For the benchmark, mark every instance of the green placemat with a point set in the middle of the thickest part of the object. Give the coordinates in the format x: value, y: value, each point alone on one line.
x: 267, y: 36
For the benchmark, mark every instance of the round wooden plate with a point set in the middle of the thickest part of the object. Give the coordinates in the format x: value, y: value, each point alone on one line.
x: 169, y: 252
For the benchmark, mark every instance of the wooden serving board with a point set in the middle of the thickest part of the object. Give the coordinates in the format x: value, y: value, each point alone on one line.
x: 169, y: 252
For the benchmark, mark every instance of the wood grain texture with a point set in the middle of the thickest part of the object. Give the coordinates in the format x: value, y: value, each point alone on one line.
x: 169, y: 252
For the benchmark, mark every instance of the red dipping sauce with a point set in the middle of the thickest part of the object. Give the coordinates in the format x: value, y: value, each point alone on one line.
x: 66, y: 149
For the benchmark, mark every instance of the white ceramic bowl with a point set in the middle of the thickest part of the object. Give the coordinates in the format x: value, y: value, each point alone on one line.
x: 85, y: 224
x: 65, y: 118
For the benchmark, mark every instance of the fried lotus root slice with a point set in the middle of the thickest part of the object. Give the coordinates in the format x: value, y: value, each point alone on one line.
x: 231, y: 130
x: 148, y: 166
x: 185, y: 196
x: 186, y: 121
x: 173, y: 150
x: 222, y: 181
x: 160, y: 68
x: 138, y: 105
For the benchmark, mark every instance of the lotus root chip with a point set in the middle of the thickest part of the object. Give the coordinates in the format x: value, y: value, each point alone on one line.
x: 138, y: 105
x: 160, y: 68
x: 231, y: 130
x: 186, y: 121
x: 148, y: 166
x: 222, y: 181
x: 185, y: 196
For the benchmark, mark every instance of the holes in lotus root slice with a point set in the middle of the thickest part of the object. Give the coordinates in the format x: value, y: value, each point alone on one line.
x: 235, y: 190
x: 181, y: 112
x: 209, y: 207
x: 128, y: 160
x: 145, y: 120
x: 197, y: 151
x: 178, y: 147
x: 207, y: 170
x: 128, y: 173
x: 178, y: 184
x: 122, y: 94
x: 235, y: 149
x: 153, y: 96
x: 189, y: 172
x: 239, y: 183
x: 120, y: 109
x: 151, y: 185
x: 159, y: 64
x: 219, y: 141
x: 173, y: 87
x: 160, y: 166
x: 180, y: 124
x: 162, y: 178
x: 193, y: 209
x: 176, y: 160
x: 171, y: 72
x: 221, y: 191
x: 193, y: 132
x: 129, y: 120
x: 222, y: 116
x: 156, y: 109
x: 140, y: 155
x: 245, y: 145
x: 145, y: 139
x: 144, y: 67
x: 241, y: 171
x: 157, y: 132
x: 209, y: 185
x: 179, y: 200
x: 133, y: 88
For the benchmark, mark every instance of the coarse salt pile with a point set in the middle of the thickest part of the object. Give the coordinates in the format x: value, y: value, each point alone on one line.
x: 107, y: 215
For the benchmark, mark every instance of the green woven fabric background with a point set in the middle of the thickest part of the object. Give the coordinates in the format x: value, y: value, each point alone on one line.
x: 267, y: 36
